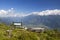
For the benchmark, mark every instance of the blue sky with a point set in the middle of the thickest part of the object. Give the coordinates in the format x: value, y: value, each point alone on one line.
x: 25, y: 7
x: 29, y: 5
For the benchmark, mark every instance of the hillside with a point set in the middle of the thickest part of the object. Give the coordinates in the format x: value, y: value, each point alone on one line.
x: 51, y: 21
x: 21, y: 34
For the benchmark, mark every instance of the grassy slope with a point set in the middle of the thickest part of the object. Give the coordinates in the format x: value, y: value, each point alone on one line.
x: 19, y: 34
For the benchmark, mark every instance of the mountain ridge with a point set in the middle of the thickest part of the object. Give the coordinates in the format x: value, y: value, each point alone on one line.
x: 52, y: 21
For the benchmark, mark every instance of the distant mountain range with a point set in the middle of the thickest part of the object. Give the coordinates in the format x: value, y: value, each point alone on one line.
x: 51, y: 21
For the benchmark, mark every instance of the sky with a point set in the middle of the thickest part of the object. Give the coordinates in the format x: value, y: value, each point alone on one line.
x: 27, y: 7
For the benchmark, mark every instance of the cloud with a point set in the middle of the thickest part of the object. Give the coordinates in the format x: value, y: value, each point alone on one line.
x: 11, y: 13
x: 48, y: 12
x: 3, y: 12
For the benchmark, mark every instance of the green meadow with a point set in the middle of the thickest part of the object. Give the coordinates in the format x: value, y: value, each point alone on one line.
x: 22, y: 34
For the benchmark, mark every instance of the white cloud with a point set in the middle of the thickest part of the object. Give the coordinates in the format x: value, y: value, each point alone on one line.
x: 3, y: 12
x: 48, y: 12
x: 11, y: 13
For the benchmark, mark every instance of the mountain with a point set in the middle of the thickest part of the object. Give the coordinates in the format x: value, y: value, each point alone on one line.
x: 51, y: 21
x: 9, y: 20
